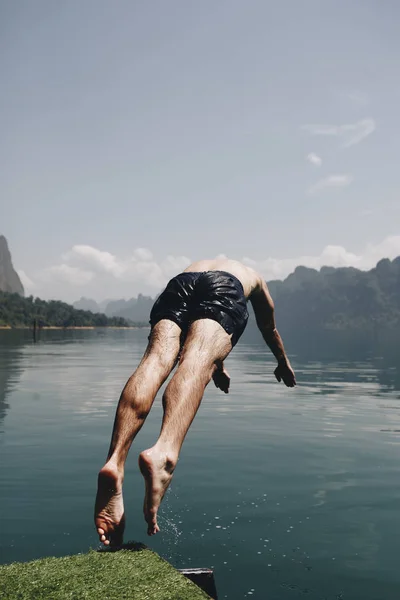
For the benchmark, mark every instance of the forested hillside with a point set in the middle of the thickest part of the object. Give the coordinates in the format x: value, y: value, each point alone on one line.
x: 18, y: 311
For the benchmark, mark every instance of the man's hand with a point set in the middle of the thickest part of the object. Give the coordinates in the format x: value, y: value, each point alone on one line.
x: 284, y: 372
x: 221, y: 378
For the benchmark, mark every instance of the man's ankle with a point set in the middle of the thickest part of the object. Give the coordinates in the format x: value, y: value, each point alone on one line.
x: 113, y: 467
x: 170, y: 456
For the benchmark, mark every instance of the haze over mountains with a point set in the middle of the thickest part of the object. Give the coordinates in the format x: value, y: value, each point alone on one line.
x: 321, y: 308
x: 310, y: 302
x: 135, y: 309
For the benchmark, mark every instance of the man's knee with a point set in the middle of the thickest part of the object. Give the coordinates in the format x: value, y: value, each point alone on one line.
x: 160, y: 357
x: 147, y: 379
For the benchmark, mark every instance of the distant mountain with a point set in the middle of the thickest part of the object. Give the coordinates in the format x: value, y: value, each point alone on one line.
x: 87, y: 304
x: 9, y: 279
x: 136, y: 310
x: 340, y: 298
x: 113, y: 307
x: 342, y: 308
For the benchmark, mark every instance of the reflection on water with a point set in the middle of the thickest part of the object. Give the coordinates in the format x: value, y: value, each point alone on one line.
x: 285, y: 493
x: 11, y: 367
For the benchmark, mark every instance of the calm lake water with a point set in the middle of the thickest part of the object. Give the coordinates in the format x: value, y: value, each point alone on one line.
x: 285, y: 493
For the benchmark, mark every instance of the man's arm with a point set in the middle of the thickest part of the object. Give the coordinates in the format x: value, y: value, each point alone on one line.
x: 264, y: 311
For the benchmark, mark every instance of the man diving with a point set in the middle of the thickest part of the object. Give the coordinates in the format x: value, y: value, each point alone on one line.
x: 195, y: 323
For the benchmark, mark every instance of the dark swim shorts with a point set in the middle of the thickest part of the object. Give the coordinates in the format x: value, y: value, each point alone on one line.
x: 216, y: 295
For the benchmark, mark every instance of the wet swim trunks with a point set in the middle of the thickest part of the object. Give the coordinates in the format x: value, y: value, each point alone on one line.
x: 216, y: 295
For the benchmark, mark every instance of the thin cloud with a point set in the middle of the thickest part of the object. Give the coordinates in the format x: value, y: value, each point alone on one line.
x: 64, y: 273
x: 355, y: 97
x: 93, y: 259
x: 84, y: 263
x: 332, y: 181
x: 352, y: 133
x: 358, y: 98
x: 314, y: 159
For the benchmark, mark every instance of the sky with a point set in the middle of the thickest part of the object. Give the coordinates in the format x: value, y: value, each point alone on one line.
x: 137, y: 137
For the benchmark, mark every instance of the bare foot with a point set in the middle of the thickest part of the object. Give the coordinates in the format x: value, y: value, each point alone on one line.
x: 222, y: 379
x: 109, y: 508
x: 157, y: 471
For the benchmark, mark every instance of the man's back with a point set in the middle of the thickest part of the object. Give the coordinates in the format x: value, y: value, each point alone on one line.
x: 249, y: 279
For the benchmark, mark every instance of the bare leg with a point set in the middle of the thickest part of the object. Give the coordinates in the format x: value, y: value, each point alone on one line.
x: 134, y: 405
x: 206, y: 343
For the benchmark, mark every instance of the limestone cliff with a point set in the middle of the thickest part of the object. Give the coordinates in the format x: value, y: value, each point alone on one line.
x: 9, y: 279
